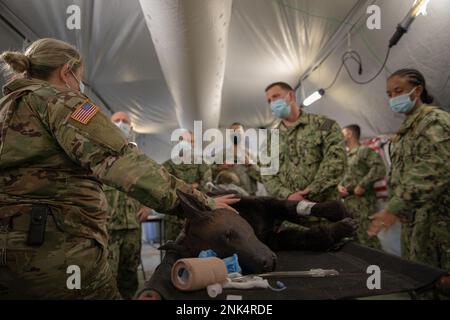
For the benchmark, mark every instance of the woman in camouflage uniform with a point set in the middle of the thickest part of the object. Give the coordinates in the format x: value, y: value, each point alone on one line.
x: 419, y: 179
x: 56, y: 151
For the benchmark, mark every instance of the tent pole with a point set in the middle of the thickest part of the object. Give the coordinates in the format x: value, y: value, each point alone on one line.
x: 16, y: 24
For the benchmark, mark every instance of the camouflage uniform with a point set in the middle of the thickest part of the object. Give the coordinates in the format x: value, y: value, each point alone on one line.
x: 124, y: 243
x: 48, y: 158
x: 312, y: 155
x: 419, y: 184
x: 189, y: 173
x: 248, y: 174
x: 365, y: 167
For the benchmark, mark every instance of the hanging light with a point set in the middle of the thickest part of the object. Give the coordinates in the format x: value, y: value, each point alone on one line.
x: 419, y: 8
x: 314, y: 97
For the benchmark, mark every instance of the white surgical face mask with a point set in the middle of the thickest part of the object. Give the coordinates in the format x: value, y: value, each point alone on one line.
x: 80, y: 83
x: 125, y: 127
x: 82, y: 87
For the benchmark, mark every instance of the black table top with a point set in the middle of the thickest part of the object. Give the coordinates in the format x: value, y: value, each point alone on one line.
x: 396, y: 275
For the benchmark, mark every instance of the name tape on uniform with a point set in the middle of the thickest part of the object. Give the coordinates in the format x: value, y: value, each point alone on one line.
x: 85, y: 112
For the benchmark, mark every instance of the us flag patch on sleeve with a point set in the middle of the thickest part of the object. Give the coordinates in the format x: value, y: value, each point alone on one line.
x: 85, y: 112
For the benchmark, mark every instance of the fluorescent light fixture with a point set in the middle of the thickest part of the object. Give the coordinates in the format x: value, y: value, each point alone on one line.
x: 314, y: 97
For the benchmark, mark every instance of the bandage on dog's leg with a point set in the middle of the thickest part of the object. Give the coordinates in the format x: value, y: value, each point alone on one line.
x: 304, y: 207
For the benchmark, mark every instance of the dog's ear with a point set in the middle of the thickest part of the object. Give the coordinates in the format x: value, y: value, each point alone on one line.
x: 192, y: 208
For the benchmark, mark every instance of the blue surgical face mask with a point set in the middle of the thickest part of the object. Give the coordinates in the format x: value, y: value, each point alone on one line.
x: 403, y: 103
x: 280, y: 109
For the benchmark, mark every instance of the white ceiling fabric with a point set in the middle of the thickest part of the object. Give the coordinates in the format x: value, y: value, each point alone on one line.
x: 273, y: 41
x: 190, y: 39
x: 121, y: 63
x: 170, y: 62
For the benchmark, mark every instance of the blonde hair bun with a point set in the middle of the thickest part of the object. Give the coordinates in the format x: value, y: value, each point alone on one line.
x: 41, y: 59
x: 17, y: 61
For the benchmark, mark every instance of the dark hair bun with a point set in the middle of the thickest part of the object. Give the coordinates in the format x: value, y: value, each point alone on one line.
x: 426, y: 97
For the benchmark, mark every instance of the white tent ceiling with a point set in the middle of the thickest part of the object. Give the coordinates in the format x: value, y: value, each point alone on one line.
x: 121, y: 63
x: 170, y: 62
